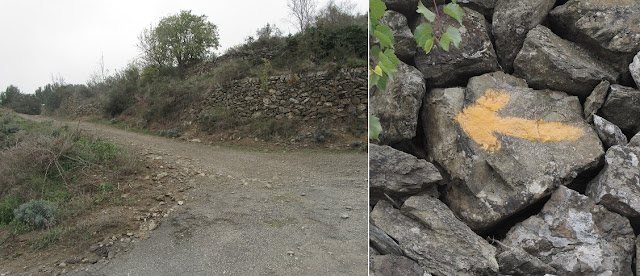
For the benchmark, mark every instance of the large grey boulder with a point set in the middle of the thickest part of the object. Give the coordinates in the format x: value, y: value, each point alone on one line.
x: 617, y: 185
x: 430, y: 234
x: 474, y: 56
x: 404, y: 43
x: 609, y: 134
x: 595, y: 100
x: 398, y: 106
x: 576, y: 237
x: 397, y: 173
x: 547, y: 61
x: 495, y: 174
x: 512, y: 20
x: 622, y: 108
x: 392, y: 265
x: 607, y: 28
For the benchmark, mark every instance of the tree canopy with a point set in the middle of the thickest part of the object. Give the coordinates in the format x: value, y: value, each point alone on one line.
x: 178, y: 40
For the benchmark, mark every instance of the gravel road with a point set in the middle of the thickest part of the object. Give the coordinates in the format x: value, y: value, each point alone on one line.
x: 249, y: 212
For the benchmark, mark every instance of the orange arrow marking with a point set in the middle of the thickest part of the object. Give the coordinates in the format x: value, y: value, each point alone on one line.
x: 481, y: 122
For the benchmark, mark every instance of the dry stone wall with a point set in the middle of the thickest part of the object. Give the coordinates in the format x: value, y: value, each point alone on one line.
x: 315, y: 96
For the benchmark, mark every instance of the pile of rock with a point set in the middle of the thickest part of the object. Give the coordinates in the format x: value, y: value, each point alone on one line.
x: 522, y: 133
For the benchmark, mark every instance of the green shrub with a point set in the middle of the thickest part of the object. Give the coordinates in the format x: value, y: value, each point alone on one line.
x: 105, y: 187
x: 7, y: 205
x: 37, y: 213
x: 321, y: 135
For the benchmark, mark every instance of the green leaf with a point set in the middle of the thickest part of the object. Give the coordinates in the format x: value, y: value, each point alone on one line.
x: 428, y: 45
x: 374, y: 127
x: 384, y: 34
x: 391, y: 54
x: 455, y: 11
x: 426, y: 12
x: 373, y: 80
x: 375, y: 51
x: 454, y: 35
x: 378, y: 70
x: 444, y: 42
x: 382, y: 83
x: 377, y: 8
x: 422, y: 34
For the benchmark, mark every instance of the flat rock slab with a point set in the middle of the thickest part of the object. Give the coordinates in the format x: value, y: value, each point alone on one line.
x: 512, y: 20
x: 617, y: 187
x: 515, y: 145
x: 622, y: 108
x: 576, y: 236
x: 398, y: 173
x: 398, y: 106
x: 429, y: 233
x: 474, y: 56
x: 547, y: 61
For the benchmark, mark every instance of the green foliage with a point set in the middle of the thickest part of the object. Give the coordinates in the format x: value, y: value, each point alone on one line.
x: 122, y: 88
x: 321, y: 135
x: 105, y: 187
x: 374, y: 127
x: 37, y: 213
x: 171, y: 133
x: 26, y: 104
x: 426, y: 36
x: 179, y: 40
x: 383, y: 61
x: 9, y: 95
x: 7, y: 205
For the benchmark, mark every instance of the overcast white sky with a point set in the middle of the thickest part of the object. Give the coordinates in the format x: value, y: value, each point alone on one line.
x: 68, y: 37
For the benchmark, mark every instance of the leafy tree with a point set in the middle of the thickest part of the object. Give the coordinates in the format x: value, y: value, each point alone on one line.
x: 302, y: 12
x: 179, y: 40
x: 339, y: 14
x: 9, y: 95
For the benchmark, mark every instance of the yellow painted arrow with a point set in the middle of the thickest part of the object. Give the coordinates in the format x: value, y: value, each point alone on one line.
x: 481, y: 122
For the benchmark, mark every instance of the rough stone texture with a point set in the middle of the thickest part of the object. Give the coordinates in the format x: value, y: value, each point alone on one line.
x: 512, y: 20
x: 404, y: 43
x: 622, y: 108
x: 431, y: 235
x: 391, y: 265
x: 382, y: 242
x: 634, y: 69
x: 485, y: 7
x: 516, y: 261
x: 609, y: 28
x: 617, y: 187
x: 595, y: 100
x: 547, y: 61
x: 311, y: 97
x: 489, y: 186
x: 474, y: 56
x: 609, y: 133
x: 576, y: 237
x: 398, y: 106
x: 397, y: 173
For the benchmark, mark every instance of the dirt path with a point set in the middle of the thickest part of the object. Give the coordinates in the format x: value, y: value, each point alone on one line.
x: 249, y: 213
